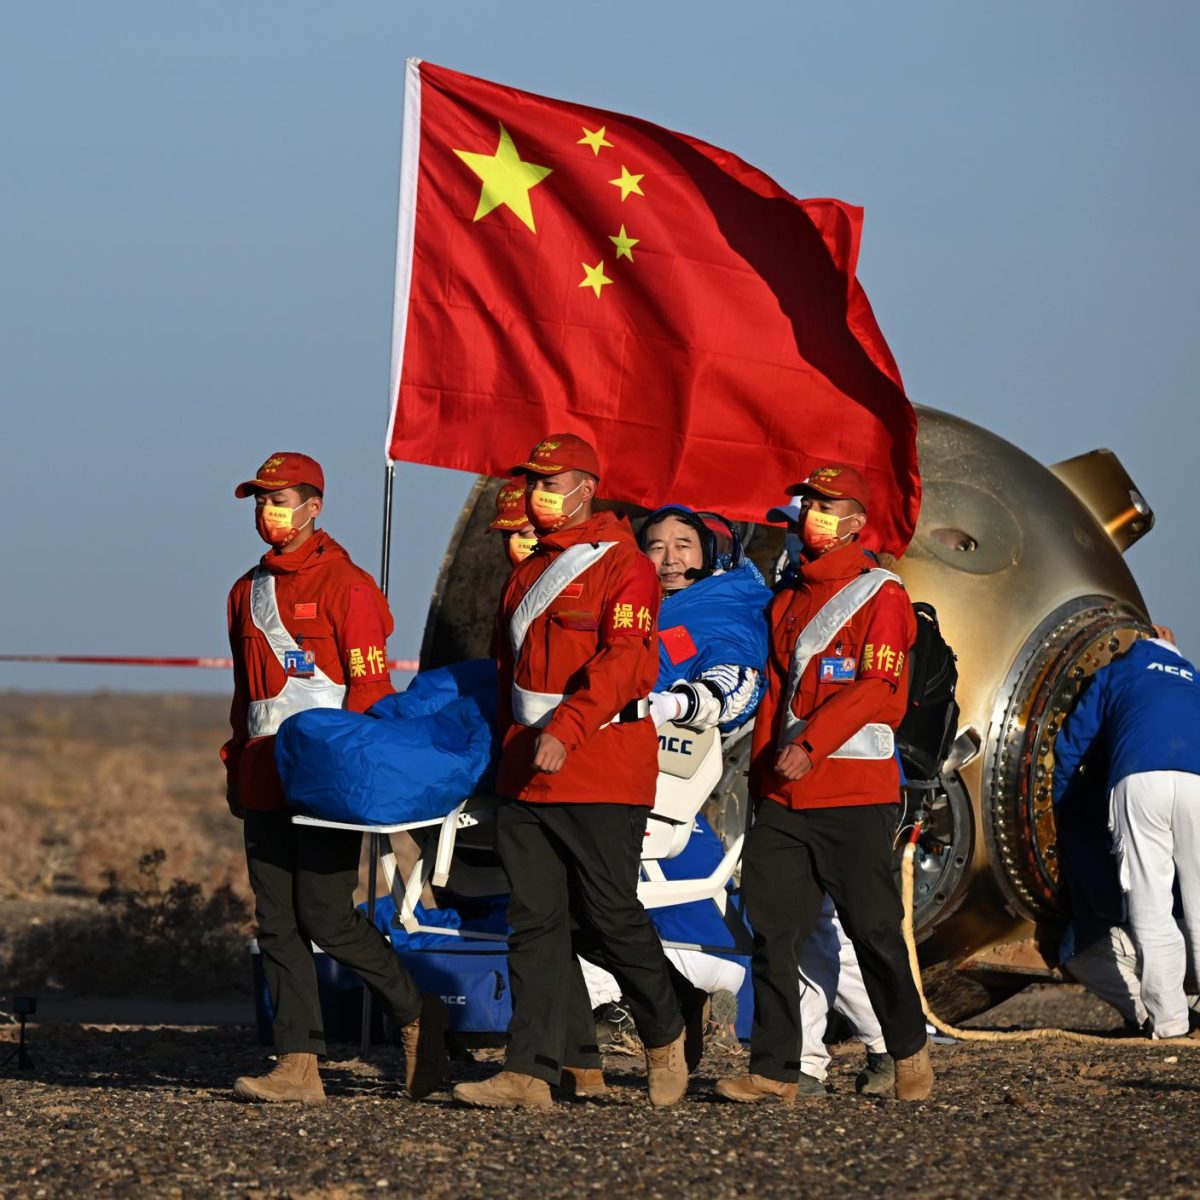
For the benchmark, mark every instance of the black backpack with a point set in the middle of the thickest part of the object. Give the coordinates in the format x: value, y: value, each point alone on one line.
x: 931, y: 721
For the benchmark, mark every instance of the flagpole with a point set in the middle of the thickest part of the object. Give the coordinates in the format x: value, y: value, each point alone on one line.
x: 385, y: 558
x: 406, y: 215
x: 373, y: 844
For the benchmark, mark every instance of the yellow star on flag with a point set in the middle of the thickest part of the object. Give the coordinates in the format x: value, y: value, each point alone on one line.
x: 624, y: 244
x: 506, y: 179
x: 594, y: 138
x: 594, y: 277
x: 628, y: 183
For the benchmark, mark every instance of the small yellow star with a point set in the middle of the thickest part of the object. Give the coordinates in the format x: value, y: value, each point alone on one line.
x: 628, y: 183
x: 594, y: 277
x: 506, y: 179
x: 624, y: 244
x: 594, y: 138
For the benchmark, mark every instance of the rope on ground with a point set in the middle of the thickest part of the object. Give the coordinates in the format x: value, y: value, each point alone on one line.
x: 997, y: 1035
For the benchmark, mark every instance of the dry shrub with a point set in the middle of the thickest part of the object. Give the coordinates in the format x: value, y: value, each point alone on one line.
x: 132, y: 810
x: 105, y: 798
x: 33, y: 853
x: 146, y: 937
x: 99, y: 794
x: 92, y: 783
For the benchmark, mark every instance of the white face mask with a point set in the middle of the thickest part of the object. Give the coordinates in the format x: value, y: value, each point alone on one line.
x: 546, y: 508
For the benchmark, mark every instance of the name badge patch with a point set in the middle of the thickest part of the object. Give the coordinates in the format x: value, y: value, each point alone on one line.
x: 837, y: 670
x: 299, y: 664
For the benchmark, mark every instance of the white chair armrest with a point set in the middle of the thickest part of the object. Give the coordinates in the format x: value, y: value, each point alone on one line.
x: 654, y: 893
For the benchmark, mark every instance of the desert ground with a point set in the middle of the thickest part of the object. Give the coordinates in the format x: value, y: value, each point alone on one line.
x: 123, y: 909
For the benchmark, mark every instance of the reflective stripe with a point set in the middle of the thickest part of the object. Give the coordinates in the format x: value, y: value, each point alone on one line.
x: 873, y: 740
x: 561, y: 573
x: 264, y: 717
x: 533, y: 708
x: 539, y: 707
x: 536, y: 708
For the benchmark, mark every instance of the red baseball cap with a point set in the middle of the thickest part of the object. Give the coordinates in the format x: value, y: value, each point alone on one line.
x: 835, y: 482
x: 510, y: 507
x: 283, y: 470
x: 560, y: 452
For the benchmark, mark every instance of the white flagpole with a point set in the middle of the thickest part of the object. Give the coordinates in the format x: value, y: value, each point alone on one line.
x: 410, y: 157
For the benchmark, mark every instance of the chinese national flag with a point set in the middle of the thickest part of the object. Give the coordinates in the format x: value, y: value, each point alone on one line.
x: 565, y: 269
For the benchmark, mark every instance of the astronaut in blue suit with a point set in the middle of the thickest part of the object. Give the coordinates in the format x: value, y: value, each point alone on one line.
x: 712, y: 639
x: 1141, y: 713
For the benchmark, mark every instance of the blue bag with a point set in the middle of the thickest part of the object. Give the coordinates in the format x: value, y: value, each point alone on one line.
x: 413, y: 756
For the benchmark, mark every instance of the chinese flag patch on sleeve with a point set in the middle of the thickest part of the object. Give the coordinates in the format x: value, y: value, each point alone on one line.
x: 678, y: 644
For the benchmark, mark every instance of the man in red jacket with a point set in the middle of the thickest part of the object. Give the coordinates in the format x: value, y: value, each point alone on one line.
x: 826, y: 785
x: 308, y: 629
x: 578, y: 655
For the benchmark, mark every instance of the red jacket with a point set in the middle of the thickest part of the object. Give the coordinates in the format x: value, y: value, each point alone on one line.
x: 879, y: 638
x: 328, y: 605
x: 597, y: 644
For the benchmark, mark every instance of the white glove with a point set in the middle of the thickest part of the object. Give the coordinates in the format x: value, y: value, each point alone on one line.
x: 664, y: 707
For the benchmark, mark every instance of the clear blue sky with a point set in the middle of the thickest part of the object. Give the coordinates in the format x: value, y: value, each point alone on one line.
x: 197, y: 216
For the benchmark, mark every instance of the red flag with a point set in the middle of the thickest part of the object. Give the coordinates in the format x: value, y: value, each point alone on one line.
x: 565, y: 269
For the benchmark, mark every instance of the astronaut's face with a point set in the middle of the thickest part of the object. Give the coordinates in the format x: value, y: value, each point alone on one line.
x: 673, y: 546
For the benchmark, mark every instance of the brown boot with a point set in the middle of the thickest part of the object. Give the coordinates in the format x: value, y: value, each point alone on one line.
x: 667, y: 1073
x: 753, y: 1089
x: 914, y: 1076
x: 295, y: 1080
x: 506, y: 1090
x: 582, y: 1083
x: 424, y: 1044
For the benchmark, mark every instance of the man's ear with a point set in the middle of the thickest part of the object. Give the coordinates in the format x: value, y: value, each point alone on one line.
x: 319, y: 501
x: 590, y: 483
x: 859, y: 520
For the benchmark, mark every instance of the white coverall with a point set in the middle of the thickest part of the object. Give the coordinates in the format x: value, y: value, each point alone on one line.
x: 1155, y: 821
x: 1110, y: 968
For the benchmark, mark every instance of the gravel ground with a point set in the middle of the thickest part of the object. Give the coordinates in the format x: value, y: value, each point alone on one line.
x: 147, y: 1111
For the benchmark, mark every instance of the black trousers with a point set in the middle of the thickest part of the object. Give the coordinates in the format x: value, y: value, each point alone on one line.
x: 791, y: 858
x: 303, y: 879
x: 577, y: 861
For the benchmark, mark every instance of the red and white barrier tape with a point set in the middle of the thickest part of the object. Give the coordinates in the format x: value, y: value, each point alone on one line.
x: 114, y: 660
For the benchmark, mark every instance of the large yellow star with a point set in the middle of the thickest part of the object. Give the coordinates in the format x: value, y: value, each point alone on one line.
x: 594, y: 277
x: 594, y: 138
x: 624, y: 244
x: 628, y: 183
x: 506, y: 179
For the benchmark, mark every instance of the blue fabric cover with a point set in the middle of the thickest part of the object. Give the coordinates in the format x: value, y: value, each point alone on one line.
x: 1145, y: 709
x: 479, y: 915
x: 725, y: 615
x: 412, y: 756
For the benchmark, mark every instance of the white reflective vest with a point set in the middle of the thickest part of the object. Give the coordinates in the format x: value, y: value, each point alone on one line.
x: 536, y: 708
x: 264, y: 717
x: 875, y: 740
